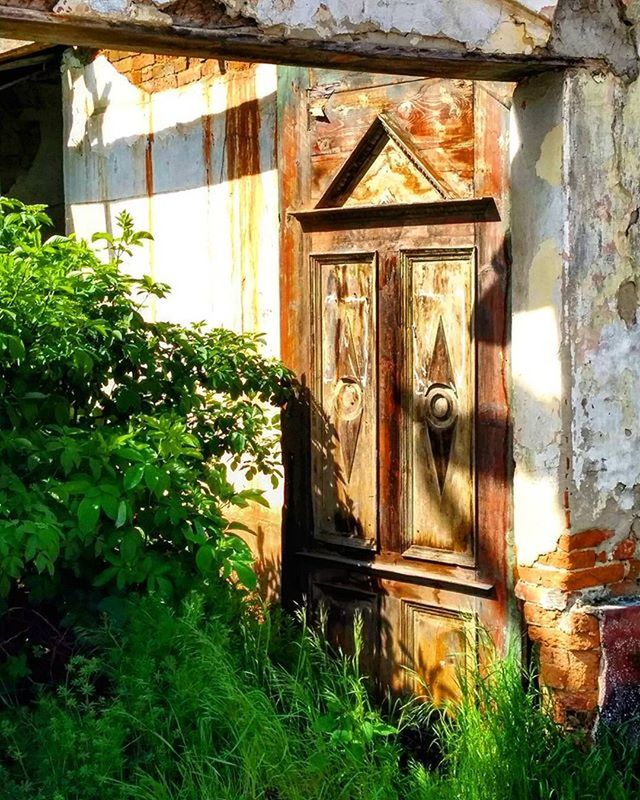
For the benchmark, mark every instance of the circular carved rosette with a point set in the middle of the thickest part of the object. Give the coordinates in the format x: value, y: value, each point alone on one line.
x: 348, y: 398
x: 440, y: 406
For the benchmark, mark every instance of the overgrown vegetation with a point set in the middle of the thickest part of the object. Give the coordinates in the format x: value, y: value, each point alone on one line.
x: 163, y: 683
x: 217, y: 706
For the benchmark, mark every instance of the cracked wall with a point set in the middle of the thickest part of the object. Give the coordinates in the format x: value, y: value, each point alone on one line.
x: 565, y: 29
x: 576, y: 348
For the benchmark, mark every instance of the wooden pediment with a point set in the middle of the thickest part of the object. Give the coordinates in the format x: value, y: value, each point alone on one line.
x: 387, y: 182
x: 385, y: 167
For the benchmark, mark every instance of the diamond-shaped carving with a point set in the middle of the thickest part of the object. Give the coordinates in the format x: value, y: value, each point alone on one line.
x: 441, y: 405
x: 348, y: 402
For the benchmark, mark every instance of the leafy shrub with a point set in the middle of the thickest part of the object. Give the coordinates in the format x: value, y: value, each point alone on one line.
x: 116, y: 431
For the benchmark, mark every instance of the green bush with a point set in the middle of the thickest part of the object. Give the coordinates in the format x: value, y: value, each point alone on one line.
x: 116, y: 431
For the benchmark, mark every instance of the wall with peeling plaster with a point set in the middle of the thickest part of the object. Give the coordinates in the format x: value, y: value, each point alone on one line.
x: 576, y: 374
x: 195, y: 166
x: 537, y: 365
x: 576, y: 398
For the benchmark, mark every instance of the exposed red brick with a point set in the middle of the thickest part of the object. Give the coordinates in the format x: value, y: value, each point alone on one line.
x: 579, y: 622
x: 557, y: 638
x: 626, y: 548
x: 570, y: 580
x: 541, y: 595
x: 189, y: 76
x: 575, y: 709
x: 575, y: 559
x: 536, y: 615
x: 142, y: 60
x: 583, y: 539
x: 596, y: 576
x: 574, y: 671
x: 542, y: 576
x: 626, y: 588
x: 168, y: 82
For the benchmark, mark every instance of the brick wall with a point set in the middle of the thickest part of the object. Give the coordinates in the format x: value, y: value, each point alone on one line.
x: 564, y: 594
x: 157, y: 73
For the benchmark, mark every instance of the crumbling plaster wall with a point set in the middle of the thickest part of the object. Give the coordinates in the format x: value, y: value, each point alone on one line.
x: 576, y: 338
x: 576, y: 373
x: 591, y: 29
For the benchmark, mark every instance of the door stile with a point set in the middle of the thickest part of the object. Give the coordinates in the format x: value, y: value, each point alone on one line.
x: 390, y: 358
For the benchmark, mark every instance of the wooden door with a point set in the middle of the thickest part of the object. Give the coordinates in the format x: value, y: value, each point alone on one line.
x: 394, y: 316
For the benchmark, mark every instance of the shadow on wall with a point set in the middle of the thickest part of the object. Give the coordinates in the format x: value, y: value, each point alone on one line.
x: 314, y: 473
x: 203, y: 181
x: 206, y: 149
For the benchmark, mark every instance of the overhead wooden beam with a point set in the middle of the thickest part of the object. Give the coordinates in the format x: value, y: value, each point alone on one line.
x: 240, y: 42
x: 10, y: 49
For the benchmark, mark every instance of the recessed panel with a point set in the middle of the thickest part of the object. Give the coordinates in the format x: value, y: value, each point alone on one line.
x: 344, y: 475
x: 437, y: 645
x: 351, y: 618
x: 439, y: 405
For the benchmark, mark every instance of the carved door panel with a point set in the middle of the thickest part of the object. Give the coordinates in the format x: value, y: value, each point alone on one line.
x: 394, y: 297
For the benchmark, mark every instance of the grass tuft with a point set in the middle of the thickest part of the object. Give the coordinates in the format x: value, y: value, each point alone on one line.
x: 205, y: 702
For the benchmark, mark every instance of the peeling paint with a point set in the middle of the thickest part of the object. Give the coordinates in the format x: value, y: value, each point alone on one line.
x: 488, y: 25
x: 628, y: 303
x: 549, y: 165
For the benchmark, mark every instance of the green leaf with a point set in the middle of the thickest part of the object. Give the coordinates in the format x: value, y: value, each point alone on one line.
x: 88, y: 514
x: 110, y: 506
x: 121, y: 518
x: 129, y: 545
x: 204, y: 559
x: 246, y: 575
x: 133, y: 476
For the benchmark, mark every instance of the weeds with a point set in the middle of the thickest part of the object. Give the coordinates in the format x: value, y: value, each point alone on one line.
x: 207, y: 703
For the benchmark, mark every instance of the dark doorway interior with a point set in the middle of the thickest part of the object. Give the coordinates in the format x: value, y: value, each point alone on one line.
x: 31, y: 132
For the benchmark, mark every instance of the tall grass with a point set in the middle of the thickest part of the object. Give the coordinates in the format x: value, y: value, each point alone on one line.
x: 189, y: 704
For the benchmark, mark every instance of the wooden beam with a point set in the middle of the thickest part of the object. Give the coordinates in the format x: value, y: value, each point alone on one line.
x: 242, y: 42
x: 10, y: 49
x: 443, y: 212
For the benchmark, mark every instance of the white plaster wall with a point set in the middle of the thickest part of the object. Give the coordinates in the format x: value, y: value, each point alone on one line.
x: 164, y: 158
x: 491, y: 25
x: 538, y: 364
x: 215, y: 240
x: 576, y: 331
x: 604, y: 335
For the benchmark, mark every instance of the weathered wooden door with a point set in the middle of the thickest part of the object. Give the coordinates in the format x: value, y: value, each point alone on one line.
x: 394, y: 299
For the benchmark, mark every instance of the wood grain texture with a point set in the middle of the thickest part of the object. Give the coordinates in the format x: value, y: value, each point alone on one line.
x: 348, y: 217
x: 442, y: 520
x: 224, y: 38
x: 439, y: 412
x: 344, y: 416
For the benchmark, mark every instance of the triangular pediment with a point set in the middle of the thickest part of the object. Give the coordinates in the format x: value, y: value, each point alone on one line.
x: 385, y: 167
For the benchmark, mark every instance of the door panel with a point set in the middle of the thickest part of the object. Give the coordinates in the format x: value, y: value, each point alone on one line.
x: 342, y: 607
x: 398, y: 473
x: 437, y: 114
x: 439, y: 408
x: 344, y: 430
